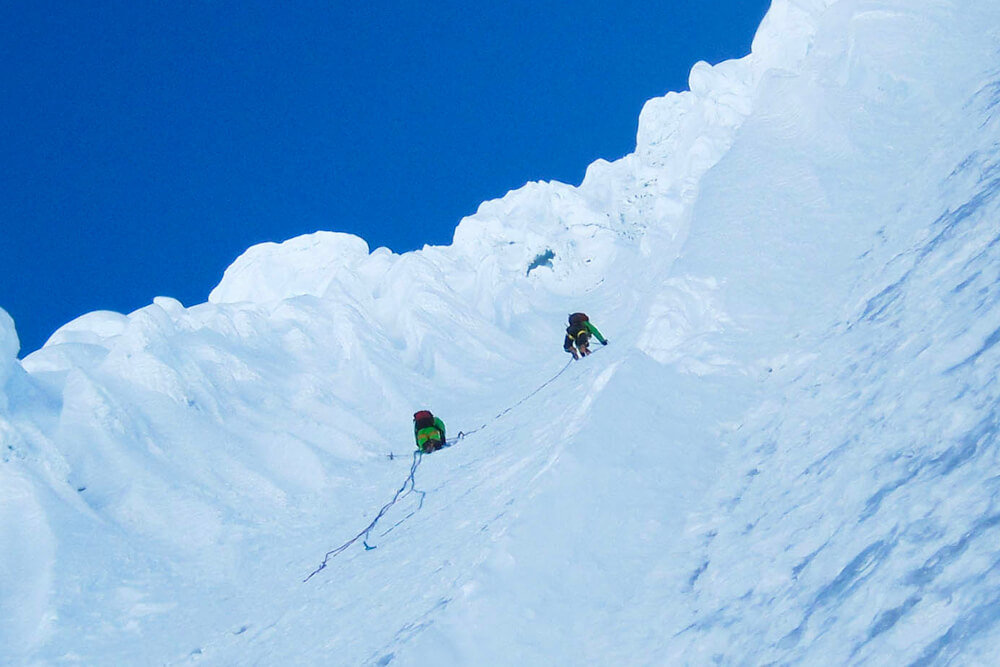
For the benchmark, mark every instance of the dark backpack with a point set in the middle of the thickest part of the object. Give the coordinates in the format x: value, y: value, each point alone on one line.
x: 423, y: 419
x: 578, y: 318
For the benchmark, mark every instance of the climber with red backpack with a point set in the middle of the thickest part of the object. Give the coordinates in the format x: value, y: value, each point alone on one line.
x: 428, y: 431
x: 578, y: 335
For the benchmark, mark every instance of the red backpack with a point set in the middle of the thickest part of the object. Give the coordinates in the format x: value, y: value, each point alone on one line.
x: 578, y: 318
x: 423, y: 419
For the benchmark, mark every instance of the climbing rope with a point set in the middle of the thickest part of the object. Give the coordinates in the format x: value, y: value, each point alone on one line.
x: 503, y: 412
x: 464, y: 434
x: 408, y: 486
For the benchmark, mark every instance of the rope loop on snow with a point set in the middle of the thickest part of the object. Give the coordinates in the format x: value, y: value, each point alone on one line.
x: 408, y: 486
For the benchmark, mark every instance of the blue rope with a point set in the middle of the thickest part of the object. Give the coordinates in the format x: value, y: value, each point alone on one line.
x: 363, y: 535
x: 411, y: 483
x: 463, y: 434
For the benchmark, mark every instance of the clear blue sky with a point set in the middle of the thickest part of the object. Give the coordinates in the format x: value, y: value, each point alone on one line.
x: 147, y: 144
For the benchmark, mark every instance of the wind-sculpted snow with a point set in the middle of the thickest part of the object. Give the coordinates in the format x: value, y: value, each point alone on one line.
x: 9, y: 347
x: 304, y: 265
x: 859, y: 519
x: 641, y: 198
x: 786, y: 454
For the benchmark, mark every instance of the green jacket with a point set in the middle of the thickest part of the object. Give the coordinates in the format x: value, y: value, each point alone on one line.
x: 587, y: 326
x: 429, y: 433
x: 592, y: 329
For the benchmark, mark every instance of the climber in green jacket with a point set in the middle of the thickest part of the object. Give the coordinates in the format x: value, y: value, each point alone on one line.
x: 578, y: 333
x: 428, y: 431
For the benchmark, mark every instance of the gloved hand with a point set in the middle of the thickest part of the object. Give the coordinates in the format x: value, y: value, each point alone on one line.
x: 604, y: 342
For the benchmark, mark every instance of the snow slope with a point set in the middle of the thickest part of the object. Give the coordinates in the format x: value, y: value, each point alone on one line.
x: 786, y: 454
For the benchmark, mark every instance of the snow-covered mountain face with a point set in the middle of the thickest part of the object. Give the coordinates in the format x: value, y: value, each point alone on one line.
x: 787, y: 453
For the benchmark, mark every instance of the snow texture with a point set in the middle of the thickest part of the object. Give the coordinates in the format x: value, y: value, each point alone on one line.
x: 787, y: 454
x: 9, y: 347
